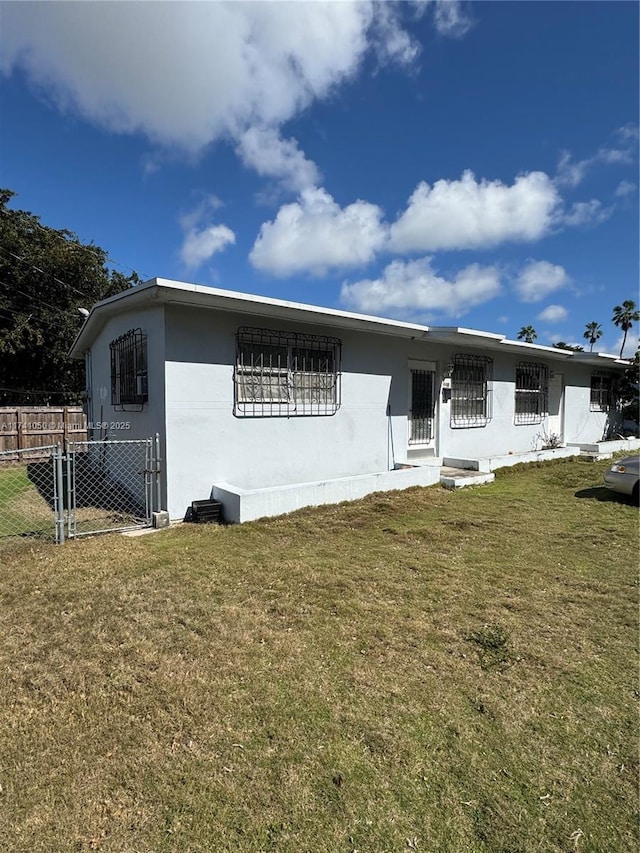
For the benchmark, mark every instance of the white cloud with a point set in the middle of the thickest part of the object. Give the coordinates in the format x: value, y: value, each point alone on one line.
x: 206, y: 206
x: 630, y: 347
x: 201, y: 244
x: 538, y: 279
x: 553, y: 314
x: 628, y: 133
x: 315, y: 235
x: 471, y: 214
x: 572, y: 172
x: 202, y: 238
x: 584, y: 213
x: 450, y: 19
x: 625, y: 188
x: 265, y: 151
x: 414, y: 286
x: 186, y: 74
x: 393, y: 43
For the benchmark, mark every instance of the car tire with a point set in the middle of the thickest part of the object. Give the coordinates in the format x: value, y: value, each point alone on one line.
x: 635, y: 495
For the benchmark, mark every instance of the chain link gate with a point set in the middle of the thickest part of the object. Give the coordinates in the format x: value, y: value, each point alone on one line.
x: 87, y: 487
x: 110, y: 485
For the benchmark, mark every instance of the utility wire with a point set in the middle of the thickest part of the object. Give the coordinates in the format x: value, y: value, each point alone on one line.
x: 30, y: 320
x: 37, y: 391
x: 43, y: 272
x: 34, y: 297
x: 70, y: 243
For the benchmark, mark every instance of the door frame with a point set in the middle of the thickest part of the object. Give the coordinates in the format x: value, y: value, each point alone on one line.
x: 555, y: 419
x: 415, y: 365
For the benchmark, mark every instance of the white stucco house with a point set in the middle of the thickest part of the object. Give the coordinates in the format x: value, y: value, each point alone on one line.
x: 270, y: 405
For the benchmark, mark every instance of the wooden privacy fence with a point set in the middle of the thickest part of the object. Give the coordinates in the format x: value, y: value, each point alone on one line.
x: 31, y: 427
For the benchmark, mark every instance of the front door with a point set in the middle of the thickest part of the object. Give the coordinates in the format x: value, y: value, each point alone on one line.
x: 422, y: 405
x: 556, y: 406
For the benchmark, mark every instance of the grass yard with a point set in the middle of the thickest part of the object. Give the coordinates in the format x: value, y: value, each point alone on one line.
x: 23, y: 509
x: 424, y: 670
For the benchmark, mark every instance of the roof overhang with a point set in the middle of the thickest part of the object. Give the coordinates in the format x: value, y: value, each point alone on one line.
x: 159, y: 291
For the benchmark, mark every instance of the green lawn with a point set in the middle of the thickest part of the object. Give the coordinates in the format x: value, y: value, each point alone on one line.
x: 424, y: 670
x: 24, y: 509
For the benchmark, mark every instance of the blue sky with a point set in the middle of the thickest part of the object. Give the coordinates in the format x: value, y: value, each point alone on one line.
x: 441, y: 162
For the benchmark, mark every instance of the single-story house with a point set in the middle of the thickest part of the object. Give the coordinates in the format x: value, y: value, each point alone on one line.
x: 269, y: 405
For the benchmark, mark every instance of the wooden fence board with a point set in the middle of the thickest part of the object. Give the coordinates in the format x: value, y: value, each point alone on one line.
x: 31, y: 427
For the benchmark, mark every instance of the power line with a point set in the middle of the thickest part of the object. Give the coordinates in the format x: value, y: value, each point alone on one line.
x: 43, y: 272
x: 11, y: 314
x: 34, y: 297
x: 39, y: 391
x: 70, y: 243
x: 41, y: 320
x: 37, y: 269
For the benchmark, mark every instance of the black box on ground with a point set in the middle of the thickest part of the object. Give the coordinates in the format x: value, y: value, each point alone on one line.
x: 206, y: 512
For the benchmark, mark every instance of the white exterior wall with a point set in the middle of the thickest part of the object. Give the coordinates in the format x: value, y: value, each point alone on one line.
x: 191, y: 353
x: 104, y: 420
x: 501, y: 435
x: 150, y: 419
x: 207, y: 444
x: 581, y: 425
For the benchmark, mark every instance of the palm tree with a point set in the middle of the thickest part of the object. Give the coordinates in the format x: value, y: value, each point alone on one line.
x: 527, y: 334
x: 593, y: 333
x: 625, y: 316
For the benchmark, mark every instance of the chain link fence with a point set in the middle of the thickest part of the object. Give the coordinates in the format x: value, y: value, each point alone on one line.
x: 29, y: 493
x: 82, y: 488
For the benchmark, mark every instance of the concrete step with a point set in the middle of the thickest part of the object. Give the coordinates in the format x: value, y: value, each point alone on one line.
x: 458, y: 478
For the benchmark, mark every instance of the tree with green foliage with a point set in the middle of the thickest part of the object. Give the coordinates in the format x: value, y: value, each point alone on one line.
x: 592, y: 333
x: 625, y: 316
x: 629, y: 393
x: 527, y: 334
x: 571, y: 347
x: 46, y: 277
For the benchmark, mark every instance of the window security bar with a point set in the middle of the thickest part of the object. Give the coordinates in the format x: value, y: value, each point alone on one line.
x: 471, y: 393
x: 604, y: 392
x: 129, y: 378
x: 422, y: 406
x: 286, y: 374
x: 532, y: 392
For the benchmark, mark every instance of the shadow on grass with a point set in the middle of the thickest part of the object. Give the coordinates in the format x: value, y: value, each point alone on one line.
x: 94, y: 487
x: 602, y: 494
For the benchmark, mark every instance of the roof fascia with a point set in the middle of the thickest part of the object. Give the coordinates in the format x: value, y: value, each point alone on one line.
x: 166, y: 291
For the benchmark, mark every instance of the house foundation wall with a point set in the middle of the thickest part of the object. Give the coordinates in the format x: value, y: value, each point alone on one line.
x: 242, y: 505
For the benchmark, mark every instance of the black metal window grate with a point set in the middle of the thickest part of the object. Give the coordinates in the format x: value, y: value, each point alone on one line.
x: 532, y: 392
x: 286, y: 374
x: 422, y: 406
x: 471, y: 391
x: 603, y: 392
x: 129, y: 379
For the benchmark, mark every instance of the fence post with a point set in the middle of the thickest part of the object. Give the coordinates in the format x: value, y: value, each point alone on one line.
x: 58, y: 493
x: 70, y: 489
x: 157, y: 467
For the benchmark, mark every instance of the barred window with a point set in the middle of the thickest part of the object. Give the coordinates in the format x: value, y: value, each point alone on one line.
x: 129, y: 381
x: 603, y: 392
x: 471, y: 391
x: 285, y: 374
x: 532, y: 392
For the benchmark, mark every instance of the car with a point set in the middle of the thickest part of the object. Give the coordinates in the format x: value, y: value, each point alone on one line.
x: 624, y: 477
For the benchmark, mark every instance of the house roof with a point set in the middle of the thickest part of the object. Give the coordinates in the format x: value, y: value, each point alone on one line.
x: 163, y: 291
